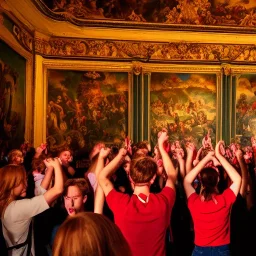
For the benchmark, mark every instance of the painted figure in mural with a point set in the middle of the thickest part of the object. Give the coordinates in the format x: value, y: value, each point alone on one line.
x: 9, y: 119
x: 83, y: 106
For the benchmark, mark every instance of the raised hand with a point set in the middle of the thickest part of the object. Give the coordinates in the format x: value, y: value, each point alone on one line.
x: 104, y: 152
x: 54, y: 162
x: 162, y: 137
x: 219, y: 148
x: 122, y: 151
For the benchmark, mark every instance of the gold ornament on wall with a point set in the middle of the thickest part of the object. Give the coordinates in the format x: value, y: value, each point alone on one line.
x: 145, y: 51
x: 226, y: 69
x: 137, y: 68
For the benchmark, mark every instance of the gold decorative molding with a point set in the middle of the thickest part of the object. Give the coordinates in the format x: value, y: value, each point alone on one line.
x: 243, y: 69
x: 137, y: 68
x: 226, y: 68
x: 23, y: 37
x: 145, y: 51
x: 42, y: 65
x: 9, y: 39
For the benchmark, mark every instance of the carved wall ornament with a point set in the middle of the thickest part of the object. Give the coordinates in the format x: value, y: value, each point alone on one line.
x: 23, y: 37
x: 137, y: 68
x: 226, y: 68
x: 145, y: 51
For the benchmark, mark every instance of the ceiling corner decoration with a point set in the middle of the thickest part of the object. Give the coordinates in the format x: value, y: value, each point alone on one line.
x: 209, y: 15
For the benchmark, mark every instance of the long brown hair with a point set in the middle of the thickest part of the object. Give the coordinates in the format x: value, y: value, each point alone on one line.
x: 11, y: 176
x: 90, y: 234
x: 209, y: 179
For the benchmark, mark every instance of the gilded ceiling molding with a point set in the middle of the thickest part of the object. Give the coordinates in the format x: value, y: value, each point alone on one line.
x: 182, y: 15
x: 145, y: 51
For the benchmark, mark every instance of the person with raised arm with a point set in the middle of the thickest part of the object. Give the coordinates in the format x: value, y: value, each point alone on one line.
x: 16, y: 215
x: 143, y: 217
x: 210, y: 210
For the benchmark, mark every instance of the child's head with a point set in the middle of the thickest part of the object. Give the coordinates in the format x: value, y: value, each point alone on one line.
x: 75, y: 195
x: 140, y: 148
x: 66, y: 156
x: 90, y: 234
x: 15, y: 156
x: 143, y: 170
x: 13, y: 184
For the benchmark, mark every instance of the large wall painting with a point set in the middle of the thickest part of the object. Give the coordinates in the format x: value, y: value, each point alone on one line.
x: 192, y: 12
x: 185, y: 104
x: 85, y: 107
x: 12, y: 98
x: 246, y: 108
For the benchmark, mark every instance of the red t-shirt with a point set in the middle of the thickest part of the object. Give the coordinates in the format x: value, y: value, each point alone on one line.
x: 211, y: 220
x: 143, y: 225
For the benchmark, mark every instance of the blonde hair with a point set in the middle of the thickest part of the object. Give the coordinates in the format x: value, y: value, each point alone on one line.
x: 13, y: 154
x: 90, y: 234
x: 11, y: 176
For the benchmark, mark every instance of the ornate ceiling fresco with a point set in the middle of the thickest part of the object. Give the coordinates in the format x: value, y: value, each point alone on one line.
x: 209, y: 14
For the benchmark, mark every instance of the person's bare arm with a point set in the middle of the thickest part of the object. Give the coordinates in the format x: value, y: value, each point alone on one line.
x: 189, y: 160
x: 99, y: 199
x: 167, y: 162
x: 47, y: 178
x: 105, y: 174
x: 182, y: 167
x: 230, y: 170
x: 54, y: 192
x: 244, y: 172
x: 99, y: 196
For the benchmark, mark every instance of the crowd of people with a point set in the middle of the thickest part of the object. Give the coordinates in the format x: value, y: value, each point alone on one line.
x: 173, y: 200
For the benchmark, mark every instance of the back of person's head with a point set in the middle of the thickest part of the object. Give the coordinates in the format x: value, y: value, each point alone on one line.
x: 209, y: 179
x: 140, y: 148
x: 89, y: 234
x: 143, y: 169
x: 81, y: 183
x: 38, y: 165
x: 11, y: 176
x: 15, y: 156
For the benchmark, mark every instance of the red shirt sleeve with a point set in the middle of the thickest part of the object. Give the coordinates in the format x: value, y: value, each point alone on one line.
x: 229, y: 196
x: 191, y: 199
x: 169, y: 195
x: 115, y: 199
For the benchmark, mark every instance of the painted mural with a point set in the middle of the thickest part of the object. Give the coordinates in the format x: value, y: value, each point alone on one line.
x: 193, y: 12
x: 185, y: 104
x: 12, y: 99
x: 246, y: 108
x: 85, y: 107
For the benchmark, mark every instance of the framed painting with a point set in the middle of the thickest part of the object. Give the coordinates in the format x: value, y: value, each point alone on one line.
x: 184, y: 100
x: 15, y: 93
x: 85, y: 103
x: 244, y: 93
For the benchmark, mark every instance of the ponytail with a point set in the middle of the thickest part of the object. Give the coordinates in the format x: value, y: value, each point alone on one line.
x: 209, y: 179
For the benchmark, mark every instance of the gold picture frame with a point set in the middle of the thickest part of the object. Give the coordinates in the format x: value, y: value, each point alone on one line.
x: 11, y: 41
x: 43, y: 66
x: 176, y: 70
x: 242, y: 103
